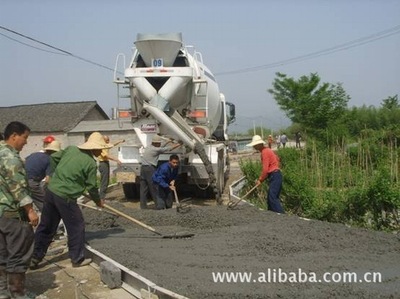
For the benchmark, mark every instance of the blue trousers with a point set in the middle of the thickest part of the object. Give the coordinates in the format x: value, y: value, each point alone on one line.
x: 274, y: 191
x: 56, y: 208
x: 164, y: 198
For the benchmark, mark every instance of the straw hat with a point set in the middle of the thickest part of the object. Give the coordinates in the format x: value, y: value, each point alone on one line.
x: 256, y: 140
x: 95, y: 141
x: 156, y: 139
x: 53, y: 146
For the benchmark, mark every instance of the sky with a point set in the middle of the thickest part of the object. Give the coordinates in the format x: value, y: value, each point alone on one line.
x: 244, y: 43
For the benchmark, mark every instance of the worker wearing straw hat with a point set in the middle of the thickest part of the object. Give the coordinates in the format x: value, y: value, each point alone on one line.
x: 75, y: 170
x: 270, y: 171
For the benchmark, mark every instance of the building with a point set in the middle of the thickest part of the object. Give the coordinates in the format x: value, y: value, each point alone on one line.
x: 56, y: 119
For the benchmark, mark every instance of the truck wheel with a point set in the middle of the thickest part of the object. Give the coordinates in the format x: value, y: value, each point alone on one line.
x: 220, y: 177
x: 131, y: 191
x: 220, y: 180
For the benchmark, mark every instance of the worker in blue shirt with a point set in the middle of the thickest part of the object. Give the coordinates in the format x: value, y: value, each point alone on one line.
x: 164, y: 180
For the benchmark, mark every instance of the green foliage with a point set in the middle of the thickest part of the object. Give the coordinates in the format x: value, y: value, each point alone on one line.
x: 320, y: 109
x: 391, y: 103
x: 357, y: 184
x: 373, y: 120
x: 251, y: 170
x: 384, y: 197
x: 258, y: 131
x: 309, y: 103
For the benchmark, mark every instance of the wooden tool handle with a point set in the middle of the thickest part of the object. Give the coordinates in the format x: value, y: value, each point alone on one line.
x: 176, y: 196
x: 248, y: 193
x: 233, y: 204
x: 118, y: 142
x: 97, y: 209
x: 132, y: 219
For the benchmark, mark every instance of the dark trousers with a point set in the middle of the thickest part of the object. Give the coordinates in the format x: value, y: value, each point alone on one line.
x: 104, y: 169
x: 146, y: 185
x: 54, y: 209
x: 38, y: 193
x: 16, y: 245
x: 274, y: 191
x: 164, y: 198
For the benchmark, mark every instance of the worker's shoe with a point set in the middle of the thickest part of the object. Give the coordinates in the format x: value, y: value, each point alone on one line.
x: 84, y: 262
x: 34, y: 263
x: 16, y: 285
x: 3, y: 285
x: 4, y: 294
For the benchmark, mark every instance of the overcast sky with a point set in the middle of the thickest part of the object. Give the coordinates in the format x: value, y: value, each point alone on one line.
x: 232, y: 36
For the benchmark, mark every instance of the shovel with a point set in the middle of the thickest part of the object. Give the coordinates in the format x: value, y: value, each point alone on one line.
x: 97, y: 209
x: 233, y: 204
x: 179, y: 207
x: 174, y: 236
x: 100, y: 210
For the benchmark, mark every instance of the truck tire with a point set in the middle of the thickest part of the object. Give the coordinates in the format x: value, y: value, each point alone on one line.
x: 220, y: 178
x: 131, y: 191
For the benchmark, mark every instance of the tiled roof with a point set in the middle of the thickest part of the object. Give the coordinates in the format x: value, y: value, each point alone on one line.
x: 52, y: 117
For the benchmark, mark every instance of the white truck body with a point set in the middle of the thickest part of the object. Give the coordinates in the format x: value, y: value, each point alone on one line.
x: 173, y: 94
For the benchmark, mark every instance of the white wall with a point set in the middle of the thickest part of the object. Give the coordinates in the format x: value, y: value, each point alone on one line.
x: 35, y: 142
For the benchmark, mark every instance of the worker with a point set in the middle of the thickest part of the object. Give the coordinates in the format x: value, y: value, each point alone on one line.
x: 270, y: 140
x: 297, y: 137
x: 47, y: 140
x: 37, y: 166
x: 284, y: 139
x: 17, y: 215
x: 164, y: 179
x: 75, y: 171
x: 278, y: 141
x: 104, y: 166
x: 149, y: 164
x: 270, y: 171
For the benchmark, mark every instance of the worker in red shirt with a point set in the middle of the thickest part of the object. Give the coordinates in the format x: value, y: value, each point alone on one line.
x: 270, y: 171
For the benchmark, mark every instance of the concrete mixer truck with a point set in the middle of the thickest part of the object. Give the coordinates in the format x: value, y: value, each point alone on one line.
x: 173, y: 94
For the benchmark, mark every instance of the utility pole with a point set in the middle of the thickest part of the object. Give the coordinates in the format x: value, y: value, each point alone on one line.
x: 262, y: 130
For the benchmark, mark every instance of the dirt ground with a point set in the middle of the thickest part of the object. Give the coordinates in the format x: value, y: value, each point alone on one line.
x: 265, y: 244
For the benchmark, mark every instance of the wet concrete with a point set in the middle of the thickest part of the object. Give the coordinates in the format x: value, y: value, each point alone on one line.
x: 246, y: 240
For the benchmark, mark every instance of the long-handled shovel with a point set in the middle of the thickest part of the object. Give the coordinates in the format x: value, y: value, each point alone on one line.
x: 174, y: 236
x: 96, y: 209
x: 233, y: 204
x: 113, y: 219
x: 179, y: 207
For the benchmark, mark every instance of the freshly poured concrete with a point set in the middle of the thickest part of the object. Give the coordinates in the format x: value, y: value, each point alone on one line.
x: 262, y: 243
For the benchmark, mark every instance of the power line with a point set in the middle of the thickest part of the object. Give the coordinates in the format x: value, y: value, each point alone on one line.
x: 63, y: 52
x: 355, y: 43
x: 35, y: 40
x: 25, y: 44
x: 341, y: 47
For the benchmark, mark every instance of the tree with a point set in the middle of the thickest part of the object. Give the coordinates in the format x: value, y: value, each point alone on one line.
x: 258, y: 130
x: 391, y: 103
x: 309, y: 103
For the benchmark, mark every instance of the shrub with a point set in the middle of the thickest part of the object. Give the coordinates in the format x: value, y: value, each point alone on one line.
x: 357, y: 184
